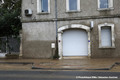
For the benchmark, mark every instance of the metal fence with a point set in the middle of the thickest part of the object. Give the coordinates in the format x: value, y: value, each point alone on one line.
x: 10, y: 44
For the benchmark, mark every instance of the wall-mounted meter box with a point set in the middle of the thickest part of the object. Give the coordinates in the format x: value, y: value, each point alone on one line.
x: 52, y: 45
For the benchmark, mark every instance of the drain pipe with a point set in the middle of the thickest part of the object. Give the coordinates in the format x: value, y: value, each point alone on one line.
x: 56, y: 17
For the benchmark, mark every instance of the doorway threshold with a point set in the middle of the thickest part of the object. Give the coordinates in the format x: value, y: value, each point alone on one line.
x: 76, y: 57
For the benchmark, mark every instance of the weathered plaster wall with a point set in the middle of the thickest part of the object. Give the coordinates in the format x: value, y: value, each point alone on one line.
x: 89, y: 9
x: 110, y: 52
x: 37, y: 39
x: 97, y: 52
x: 38, y: 36
x: 39, y: 29
x: 32, y: 4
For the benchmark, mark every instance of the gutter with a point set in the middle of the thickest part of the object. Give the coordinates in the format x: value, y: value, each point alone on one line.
x: 109, y: 68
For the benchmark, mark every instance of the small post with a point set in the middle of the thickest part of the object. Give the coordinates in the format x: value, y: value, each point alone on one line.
x: 52, y: 47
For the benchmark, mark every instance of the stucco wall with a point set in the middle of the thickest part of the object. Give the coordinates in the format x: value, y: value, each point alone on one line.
x: 89, y: 9
x: 38, y: 36
x: 39, y: 29
x: 97, y: 52
x: 37, y: 39
x: 32, y: 4
x: 104, y: 52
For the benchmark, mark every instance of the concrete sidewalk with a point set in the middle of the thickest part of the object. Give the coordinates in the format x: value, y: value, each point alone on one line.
x: 101, y: 64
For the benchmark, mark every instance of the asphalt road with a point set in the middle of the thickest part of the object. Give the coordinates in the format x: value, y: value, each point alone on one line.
x: 58, y: 75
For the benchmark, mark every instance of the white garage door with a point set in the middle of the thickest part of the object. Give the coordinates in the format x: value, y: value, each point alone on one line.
x: 75, y: 43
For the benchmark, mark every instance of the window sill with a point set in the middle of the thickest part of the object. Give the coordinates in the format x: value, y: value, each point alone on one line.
x: 44, y: 13
x: 107, y: 47
x: 105, y: 9
x: 74, y: 11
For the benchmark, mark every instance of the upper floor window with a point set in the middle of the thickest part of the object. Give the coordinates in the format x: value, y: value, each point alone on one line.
x: 105, y: 4
x: 43, y: 6
x: 73, y: 5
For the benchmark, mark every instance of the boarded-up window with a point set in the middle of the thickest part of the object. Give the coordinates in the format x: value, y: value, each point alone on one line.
x: 106, y: 39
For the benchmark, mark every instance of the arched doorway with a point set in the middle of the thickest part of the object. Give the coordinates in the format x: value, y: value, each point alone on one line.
x: 75, y: 43
x: 74, y: 40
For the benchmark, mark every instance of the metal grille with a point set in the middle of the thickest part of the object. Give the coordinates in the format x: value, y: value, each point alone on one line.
x: 2, y: 44
x: 10, y: 44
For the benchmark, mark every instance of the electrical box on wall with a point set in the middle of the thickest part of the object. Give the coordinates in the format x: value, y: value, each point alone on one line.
x: 92, y: 24
x: 28, y: 12
x: 52, y: 45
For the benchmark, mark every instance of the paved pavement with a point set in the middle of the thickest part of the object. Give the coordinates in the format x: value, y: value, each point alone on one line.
x: 58, y: 75
x: 65, y: 64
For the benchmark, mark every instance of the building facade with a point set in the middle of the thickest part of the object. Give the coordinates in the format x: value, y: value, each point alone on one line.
x: 82, y: 28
